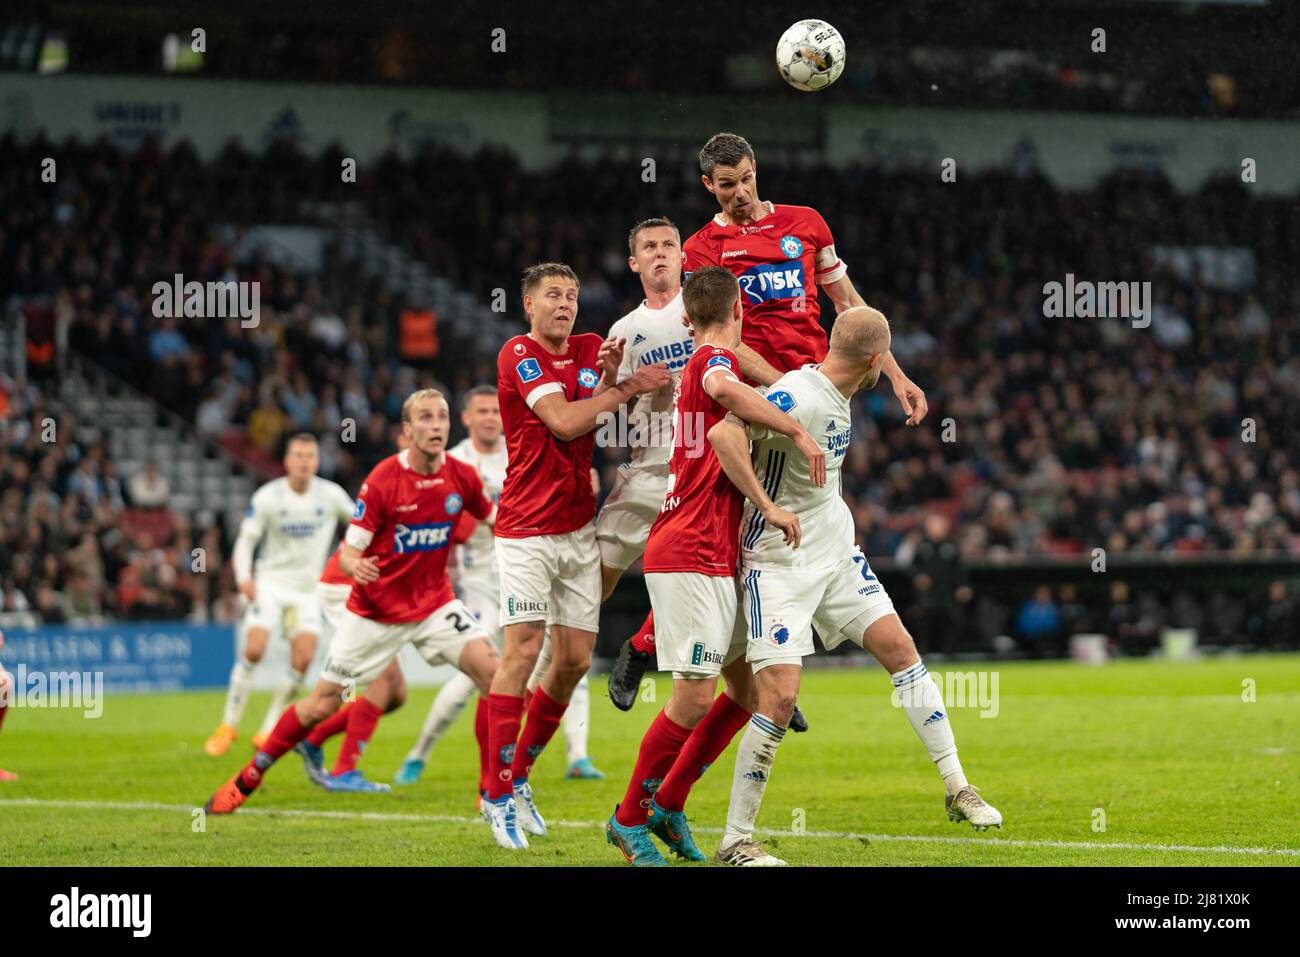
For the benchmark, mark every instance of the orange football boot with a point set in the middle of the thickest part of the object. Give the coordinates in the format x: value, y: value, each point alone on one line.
x: 220, y: 741
x: 227, y: 799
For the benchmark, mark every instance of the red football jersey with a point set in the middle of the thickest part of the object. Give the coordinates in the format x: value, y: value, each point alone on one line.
x: 547, y: 490
x: 698, y: 528
x: 333, y: 573
x: 404, y: 521
x: 778, y: 262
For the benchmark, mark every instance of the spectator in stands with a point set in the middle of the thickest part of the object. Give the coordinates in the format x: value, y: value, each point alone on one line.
x: 1038, y: 624
x: 267, y: 423
x: 1275, y: 625
x: 939, y: 583
x: 148, y: 488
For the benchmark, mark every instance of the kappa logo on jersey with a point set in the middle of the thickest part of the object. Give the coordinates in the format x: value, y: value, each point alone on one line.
x: 587, y: 378
x: 453, y: 504
x: 791, y: 246
x: 768, y: 281
x: 358, y: 511
x: 780, y: 634
x: 529, y: 370
x: 519, y: 349
x: 429, y: 537
x: 782, y: 400
x: 719, y: 361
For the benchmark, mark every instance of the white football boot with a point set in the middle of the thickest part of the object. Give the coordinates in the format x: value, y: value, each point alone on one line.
x: 967, y: 805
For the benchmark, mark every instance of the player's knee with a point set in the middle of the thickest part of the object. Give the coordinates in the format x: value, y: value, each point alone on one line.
x: 396, y: 698
x: 781, y: 706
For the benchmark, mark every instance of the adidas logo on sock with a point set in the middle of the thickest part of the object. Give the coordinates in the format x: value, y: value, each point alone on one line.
x: 938, y: 715
x: 755, y: 775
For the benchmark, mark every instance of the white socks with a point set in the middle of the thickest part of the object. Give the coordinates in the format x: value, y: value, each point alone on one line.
x: 289, y: 688
x: 923, y: 704
x: 577, y: 718
x: 241, y: 683
x: 753, y: 767
x: 446, y: 708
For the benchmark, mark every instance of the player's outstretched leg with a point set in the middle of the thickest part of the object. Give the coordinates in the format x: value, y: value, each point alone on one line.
x: 630, y: 666
x: 386, y: 694
x: 290, y: 687
x: 446, y: 708
x: 292, y: 727
x: 922, y: 701
x: 778, y: 686
x: 237, y: 693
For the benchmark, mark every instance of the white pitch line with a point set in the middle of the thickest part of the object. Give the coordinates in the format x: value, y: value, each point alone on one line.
x: 596, y: 825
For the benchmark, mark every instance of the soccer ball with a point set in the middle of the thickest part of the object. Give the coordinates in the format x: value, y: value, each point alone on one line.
x: 810, y: 55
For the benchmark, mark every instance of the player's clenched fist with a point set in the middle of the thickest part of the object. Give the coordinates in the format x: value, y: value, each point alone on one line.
x: 787, y: 522
x: 815, y: 455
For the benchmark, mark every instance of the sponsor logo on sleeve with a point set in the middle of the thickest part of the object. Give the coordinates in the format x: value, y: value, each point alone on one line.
x: 358, y: 511
x: 719, y: 361
x: 782, y: 400
x: 529, y: 370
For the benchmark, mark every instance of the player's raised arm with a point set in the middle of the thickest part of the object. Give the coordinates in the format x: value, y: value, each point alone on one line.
x: 910, y: 395
x: 745, y: 402
x: 568, y: 420
x: 730, y: 440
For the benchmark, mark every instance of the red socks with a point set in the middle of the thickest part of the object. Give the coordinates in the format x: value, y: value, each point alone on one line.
x: 709, y: 739
x: 331, y: 726
x: 4, y: 709
x: 544, y: 714
x: 481, y: 733
x: 287, y: 732
x: 504, y: 713
x: 363, y: 718
x: 644, y: 640
x: 659, y: 749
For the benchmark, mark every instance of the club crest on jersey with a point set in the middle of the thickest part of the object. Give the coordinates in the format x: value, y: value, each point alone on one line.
x: 791, y: 246
x: 358, y: 511
x: 587, y: 378
x: 782, y: 400
x: 768, y: 281
x: 453, y: 503
x: 429, y: 537
x: 779, y: 634
x: 529, y: 370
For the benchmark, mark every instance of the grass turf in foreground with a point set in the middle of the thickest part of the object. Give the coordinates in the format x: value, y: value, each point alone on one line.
x: 1169, y: 753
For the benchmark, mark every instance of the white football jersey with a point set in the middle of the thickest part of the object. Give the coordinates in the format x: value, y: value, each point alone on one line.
x: 654, y: 337
x: 296, y: 532
x: 828, y: 528
x: 477, y: 557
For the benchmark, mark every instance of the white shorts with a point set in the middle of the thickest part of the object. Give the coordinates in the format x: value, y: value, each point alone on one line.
x: 695, y: 617
x: 361, y: 649
x: 483, y: 599
x: 333, y: 602
x: 550, y: 578
x: 782, y: 605
x: 632, y: 506
x: 293, y: 613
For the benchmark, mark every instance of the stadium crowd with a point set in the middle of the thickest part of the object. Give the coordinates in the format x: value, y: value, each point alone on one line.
x: 1046, y: 436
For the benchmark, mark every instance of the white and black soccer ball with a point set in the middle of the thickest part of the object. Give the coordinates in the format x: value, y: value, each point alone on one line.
x: 810, y: 55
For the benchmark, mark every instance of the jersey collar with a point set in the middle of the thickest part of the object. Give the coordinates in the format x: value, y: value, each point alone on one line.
x: 717, y: 217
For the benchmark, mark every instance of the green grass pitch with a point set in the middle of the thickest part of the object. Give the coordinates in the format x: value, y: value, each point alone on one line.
x: 1134, y: 763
